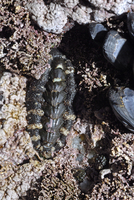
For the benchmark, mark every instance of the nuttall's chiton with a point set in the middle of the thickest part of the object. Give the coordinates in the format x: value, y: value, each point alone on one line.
x: 122, y: 103
x: 49, y: 105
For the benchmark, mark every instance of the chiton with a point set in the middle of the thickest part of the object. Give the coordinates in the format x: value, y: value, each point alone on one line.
x: 49, y: 105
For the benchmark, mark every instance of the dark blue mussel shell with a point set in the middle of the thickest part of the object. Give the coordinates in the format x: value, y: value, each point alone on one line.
x: 97, y: 32
x: 130, y: 24
x: 118, y: 51
x: 122, y: 103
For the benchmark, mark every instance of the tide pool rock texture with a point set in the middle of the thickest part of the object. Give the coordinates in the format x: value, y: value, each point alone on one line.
x: 48, y: 15
x: 97, y: 160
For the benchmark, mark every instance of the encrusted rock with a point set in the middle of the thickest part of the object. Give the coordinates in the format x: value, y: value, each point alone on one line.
x: 122, y: 154
x: 12, y: 104
x: 22, y: 47
x: 48, y: 16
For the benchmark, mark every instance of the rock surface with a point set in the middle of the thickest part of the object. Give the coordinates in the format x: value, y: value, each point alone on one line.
x: 96, y: 134
x: 48, y: 16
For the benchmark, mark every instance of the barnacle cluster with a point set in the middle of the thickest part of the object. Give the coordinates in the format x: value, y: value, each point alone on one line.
x: 121, y: 161
x: 119, y: 154
x: 15, y: 144
x: 119, y: 189
x: 23, y: 48
x: 12, y: 105
x: 47, y: 16
x: 61, y: 185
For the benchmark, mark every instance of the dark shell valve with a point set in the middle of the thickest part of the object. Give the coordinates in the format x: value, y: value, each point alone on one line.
x: 117, y: 50
x: 49, y: 105
x: 122, y: 103
x: 130, y: 24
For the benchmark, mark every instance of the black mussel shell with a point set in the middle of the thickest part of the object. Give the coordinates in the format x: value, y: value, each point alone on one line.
x: 97, y: 32
x: 117, y: 51
x: 122, y: 103
x: 130, y: 24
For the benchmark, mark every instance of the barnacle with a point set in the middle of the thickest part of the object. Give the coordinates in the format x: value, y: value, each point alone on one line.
x: 12, y: 109
x: 49, y: 105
